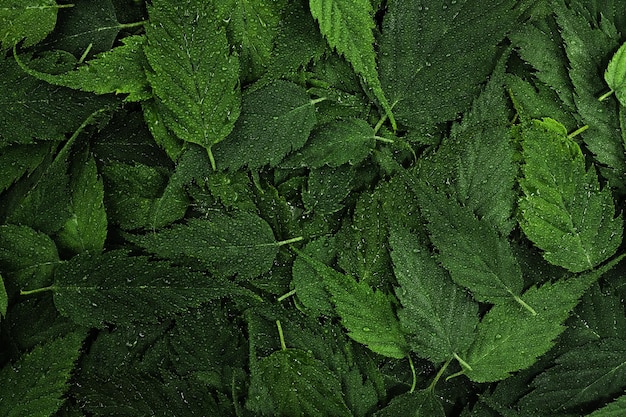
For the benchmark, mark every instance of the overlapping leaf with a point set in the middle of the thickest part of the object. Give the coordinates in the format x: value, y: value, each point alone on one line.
x: 195, y: 77
x: 564, y: 211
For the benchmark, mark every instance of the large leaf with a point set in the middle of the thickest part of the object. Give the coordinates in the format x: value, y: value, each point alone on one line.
x: 195, y: 77
x: 564, y: 211
x: 241, y: 244
x: 30, y: 20
x: 117, y: 288
x: 438, y: 315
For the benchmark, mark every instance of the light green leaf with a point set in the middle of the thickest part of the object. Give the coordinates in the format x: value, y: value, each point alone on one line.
x: 437, y: 314
x: 472, y: 250
x: 30, y: 20
x: 348, y: 25
x: 86, y: 230
x: 275, y: 120
x: 615, y: 75
x: 291, y: 382
x: 367, y: 314
x: 120, y: 70
x: 564, y: 211
x: 35, y: 384
x: 117, y: 288
x: 195, y: 77
x: 509, y: 338
x: 334, y: 144
x: 242, y: 244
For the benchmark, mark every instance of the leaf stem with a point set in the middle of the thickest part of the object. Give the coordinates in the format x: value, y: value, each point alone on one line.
x: 413, y: 374
x: 212, y: 159
x: 84, y: 55
x: 286, y: 295
x: 37, y: 291
x: 380, y: 123
x: 432, y: 385
x: 288, y: 241
x: 605, y: 95
x: 523, y: 304
x: 283, y: 346
x: 318, y: 100
x: 381, y: 139
x: 132, y: 25
x: 578, y: 131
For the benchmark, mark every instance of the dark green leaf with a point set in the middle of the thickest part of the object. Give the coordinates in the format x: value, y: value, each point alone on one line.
x: 417, y: 404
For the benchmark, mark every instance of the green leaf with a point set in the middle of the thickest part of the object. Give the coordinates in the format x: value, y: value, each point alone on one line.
x: 30, y: 20
x: 615, y: 75
x: 252, y: 26
x: 509, y: 338
x: 334, y: 144
x: 564, y: 211
x: 472, y: 250
x: 117, y: 288
x: 120, y: 70
x: 34, y: 109
x: 327, y: 187
x: 27, y: 256
x: 195, y: 77
x: 309, y: 285
x: 242, y: 244
x: 615, y: 409
x: 292, y: 382
x: 347, y: 26
x: 367, y: 315
x: 36, y: 383
x: 588, y: 49
x: 86, y: 230
x: 437, y: 314
x: 275, y: 120
x: 435, y: 55
x: 414, y: 404
x: 17, y: 160
x: 585, y: 374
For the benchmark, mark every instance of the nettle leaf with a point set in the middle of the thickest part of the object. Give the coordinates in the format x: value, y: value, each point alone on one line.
x: 336, y: 143
x: 368, y: 315
x: 275, y: 120
x: 36, y: 383
x: 588, y: 48
x: 28, y: 20
x: 194, y: 77
x: 615, y: 75
x: 327, y: 187
x: 415, y: 404
x: 86, y: 230
x: 241, y: 244
x: 584, y: 374
x: 424, y: 39
x: 291, y: 382
x: 4, y: 298
x: 510, y: 338
x: 252, y: 27
x: 438, y: 315
x: 34, y: 109
x: 472, y: 250
x: 120, y: 70
x: 347, y: 26
x: 309, y: 285
x: 27, y: 256
x: 17, y: 160
x: 564, y: 211
x: 94, y: 289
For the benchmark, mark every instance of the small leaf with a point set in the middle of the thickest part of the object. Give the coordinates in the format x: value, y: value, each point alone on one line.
x: 615, y: 75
